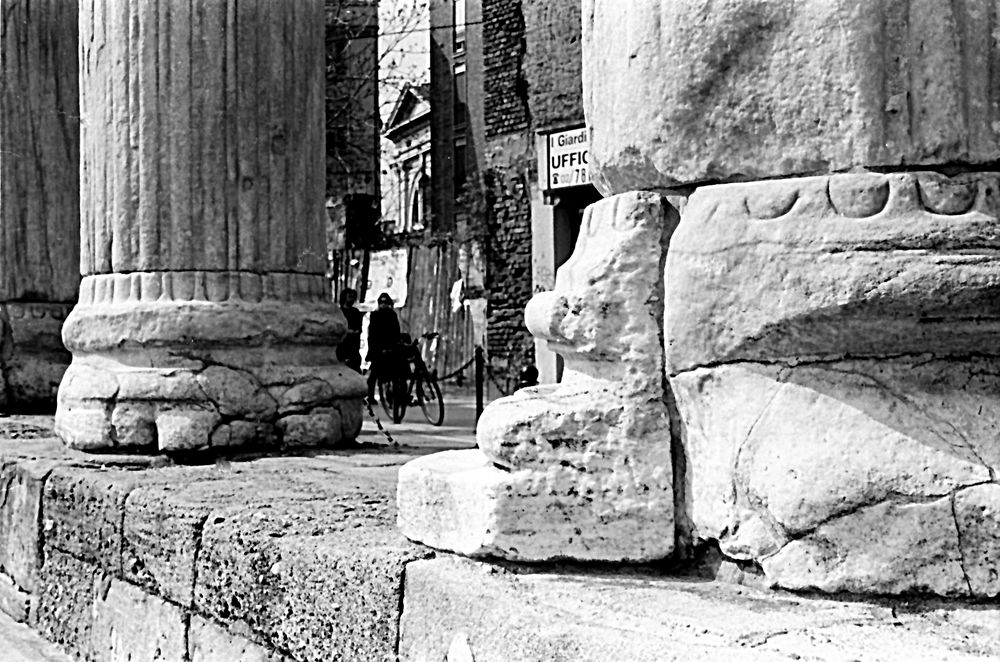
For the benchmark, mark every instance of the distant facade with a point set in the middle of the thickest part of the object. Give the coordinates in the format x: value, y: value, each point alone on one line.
x: 352, y: 129
x: 406, y: 186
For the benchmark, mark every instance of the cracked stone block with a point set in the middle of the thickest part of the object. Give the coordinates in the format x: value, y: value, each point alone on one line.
x: 886, y: 548
x: 581, y: 469
x: 832, y: 351
x: 202, y: 323
x: 21, y: 487
x: 977, y: 511
x: 708, y: 90
x: 161, y: 533
x: 132, y: 625
x: 13, y: 601
x: 63, y: 613
x: 320, y: 580
x: 83, y: 513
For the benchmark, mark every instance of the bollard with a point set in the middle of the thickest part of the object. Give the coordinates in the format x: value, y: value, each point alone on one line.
x: 480, y: 380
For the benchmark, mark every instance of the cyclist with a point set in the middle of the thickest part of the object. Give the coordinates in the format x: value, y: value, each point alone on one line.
x: 383, y: 340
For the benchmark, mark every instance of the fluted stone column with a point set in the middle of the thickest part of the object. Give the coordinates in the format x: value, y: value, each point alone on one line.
x: 203, y: 318
x: 39, y: 196
x: 832, y: 301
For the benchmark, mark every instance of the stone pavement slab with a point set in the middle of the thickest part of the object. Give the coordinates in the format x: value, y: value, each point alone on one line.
x: 455, y: 609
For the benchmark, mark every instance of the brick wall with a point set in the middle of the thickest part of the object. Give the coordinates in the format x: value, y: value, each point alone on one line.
x: 505, y: 88
x: 531, y: 71
x: 553, y: 62
x: 508, y: 273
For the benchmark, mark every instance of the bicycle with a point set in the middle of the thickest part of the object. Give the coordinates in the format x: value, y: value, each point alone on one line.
x: 411, y: 383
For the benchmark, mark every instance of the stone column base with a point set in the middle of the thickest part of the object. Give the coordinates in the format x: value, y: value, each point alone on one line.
x: 460, y: 501
x: 580, y: 474
x: 196, y: 360
x: 224, y: 402
x: 33, y: 356
x: 863, y: 476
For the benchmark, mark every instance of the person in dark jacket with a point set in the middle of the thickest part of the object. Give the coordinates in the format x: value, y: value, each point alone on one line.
x: 349, y: 349
x: 383, y: 340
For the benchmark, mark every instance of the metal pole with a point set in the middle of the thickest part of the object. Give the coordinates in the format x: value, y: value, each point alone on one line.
x: 480, y: 380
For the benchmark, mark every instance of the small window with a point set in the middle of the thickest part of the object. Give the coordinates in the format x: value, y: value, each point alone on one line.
x: 458, y: 15
x: 461, y: 94
x: 459, y: 161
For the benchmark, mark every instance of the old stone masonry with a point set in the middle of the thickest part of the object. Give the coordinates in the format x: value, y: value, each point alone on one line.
x: 781, y: 328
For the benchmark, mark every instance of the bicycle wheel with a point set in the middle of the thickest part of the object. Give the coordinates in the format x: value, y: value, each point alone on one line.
x: 399, y: 398
x: 431, y: 402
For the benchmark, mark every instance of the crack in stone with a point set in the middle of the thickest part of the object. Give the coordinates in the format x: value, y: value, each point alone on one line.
x: 775, y: 528
x: 893, y: 497
x: 965, y: 445
x: 958, y: 537
x: 786, y: 365
x: 199, y: 532
x: 921, y: 358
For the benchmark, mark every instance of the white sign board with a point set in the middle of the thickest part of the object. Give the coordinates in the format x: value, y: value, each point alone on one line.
x: 567, y: 155
x: 387, y: 273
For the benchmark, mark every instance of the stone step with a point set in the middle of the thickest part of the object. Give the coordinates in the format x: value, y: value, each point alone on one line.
x: 297, y: 559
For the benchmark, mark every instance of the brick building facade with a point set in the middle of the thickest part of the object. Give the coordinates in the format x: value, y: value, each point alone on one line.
x: 504, y: 72
x: 352, y: 122
x: 532, y: 86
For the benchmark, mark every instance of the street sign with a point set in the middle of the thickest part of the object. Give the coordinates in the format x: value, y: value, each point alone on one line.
x: 567, y: 154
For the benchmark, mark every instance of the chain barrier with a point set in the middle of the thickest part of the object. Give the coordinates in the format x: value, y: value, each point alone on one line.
x: 492, y: 378
x: 459, y: 369
x: 454, y: 373
x: 489, y: 375
x: 378, y: 424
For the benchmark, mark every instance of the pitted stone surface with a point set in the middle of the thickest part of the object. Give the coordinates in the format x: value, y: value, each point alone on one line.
x: 321, y: 580
x: 581, y: 469
x: 702, y: 91
x: 838, y: 380
x: 289, y: 558
x: 65, y: 600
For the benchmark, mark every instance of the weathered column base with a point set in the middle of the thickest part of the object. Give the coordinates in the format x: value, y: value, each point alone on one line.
x: 864, y: 476
x: 581, y: 469
x: 191, y: 361
x: 217, y: 402
x: 32, y: 354
x: 575, y: 500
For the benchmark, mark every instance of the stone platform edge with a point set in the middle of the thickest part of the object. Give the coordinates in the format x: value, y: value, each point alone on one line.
x: 297, y: 559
